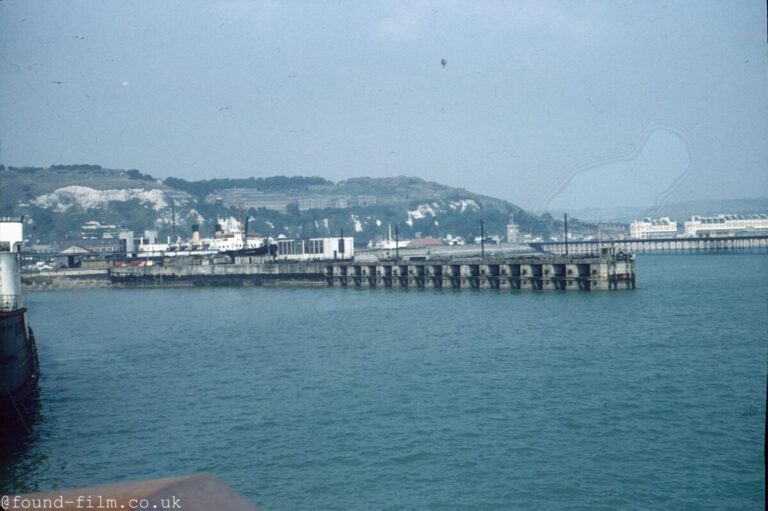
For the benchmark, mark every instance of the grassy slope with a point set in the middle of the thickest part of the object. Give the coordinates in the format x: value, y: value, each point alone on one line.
x: 395, y: 196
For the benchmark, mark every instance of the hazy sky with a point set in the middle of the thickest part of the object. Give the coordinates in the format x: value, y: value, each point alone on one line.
x: 546, y: 104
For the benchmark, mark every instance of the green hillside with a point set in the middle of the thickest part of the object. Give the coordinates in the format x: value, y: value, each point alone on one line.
x: 60, y: 200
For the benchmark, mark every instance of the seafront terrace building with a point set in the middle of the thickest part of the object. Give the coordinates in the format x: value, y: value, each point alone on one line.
x: 645, y: 228
x: 726, y: 225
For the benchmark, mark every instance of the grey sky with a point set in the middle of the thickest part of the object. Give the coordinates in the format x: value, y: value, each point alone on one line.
x: 546, y: 104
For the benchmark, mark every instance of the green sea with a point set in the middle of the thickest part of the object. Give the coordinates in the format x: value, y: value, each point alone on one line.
x: 329, y: 398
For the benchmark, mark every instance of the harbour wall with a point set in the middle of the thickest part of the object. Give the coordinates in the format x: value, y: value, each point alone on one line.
x: 65, y: 279
x: 592, y: 273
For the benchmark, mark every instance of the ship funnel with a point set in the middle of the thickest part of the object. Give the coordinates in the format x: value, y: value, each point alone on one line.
x: 218, y: 232
x: 195, y: 233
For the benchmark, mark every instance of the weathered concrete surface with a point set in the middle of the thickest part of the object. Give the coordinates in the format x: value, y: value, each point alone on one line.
x: 64, y: 279
x: 532, y: 272
x: 538, y: 272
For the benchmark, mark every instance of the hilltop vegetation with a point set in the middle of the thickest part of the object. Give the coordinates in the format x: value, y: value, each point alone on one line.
x: 206, y: 187
x: 61, y: 199
x: 23, y: 184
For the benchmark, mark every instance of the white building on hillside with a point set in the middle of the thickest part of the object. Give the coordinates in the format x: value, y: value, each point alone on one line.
x: 726, y: 225
x: 645, y: 228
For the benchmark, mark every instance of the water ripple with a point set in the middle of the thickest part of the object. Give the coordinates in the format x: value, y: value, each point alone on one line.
x: 381, y: 399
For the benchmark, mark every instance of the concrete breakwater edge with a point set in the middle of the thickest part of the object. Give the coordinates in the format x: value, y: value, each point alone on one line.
x: 605, y: 272
x: 64, y: 279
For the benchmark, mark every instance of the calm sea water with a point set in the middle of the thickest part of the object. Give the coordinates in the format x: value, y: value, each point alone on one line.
x: 414, y: 399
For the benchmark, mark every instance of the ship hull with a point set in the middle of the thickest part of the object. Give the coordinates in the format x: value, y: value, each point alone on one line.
x: 264, y: 250
x: 19, y: 371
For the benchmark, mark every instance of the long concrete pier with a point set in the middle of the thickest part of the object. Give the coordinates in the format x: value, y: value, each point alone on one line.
x: 757, y: 244
x: 535, y: 272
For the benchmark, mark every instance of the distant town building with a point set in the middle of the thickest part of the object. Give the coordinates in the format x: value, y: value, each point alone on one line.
x: 316, y: 248
x: 321, y: 202
x: 450, y: 239
x: 366, y: 200
x: 94, y: 230
x: 40, y: 249
x: 150, y: 236
x: 513, y: 231
x: 248, y: 198
x: 388, y: 243
x: 75, y: 250
x: 306, y: 203
x: 493, y: 239
x: 611, y: 230
x: 73, y: 256
x: 645, y: 228
x: 127, y: 242
x: 339, y: 202
x: 726, y: 225
x: 100, y: 246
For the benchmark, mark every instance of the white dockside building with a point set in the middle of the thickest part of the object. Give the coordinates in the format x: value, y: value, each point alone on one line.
x: 645, y: 228
x: 316, y: 249
x: 726, y: 225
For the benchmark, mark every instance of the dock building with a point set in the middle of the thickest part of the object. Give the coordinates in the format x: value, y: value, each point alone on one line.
x: 726, y: 225
x: 646, y: 228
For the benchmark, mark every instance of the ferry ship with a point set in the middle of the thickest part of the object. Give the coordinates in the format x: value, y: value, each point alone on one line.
x: 19, y: 369
x: 235, y: 243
